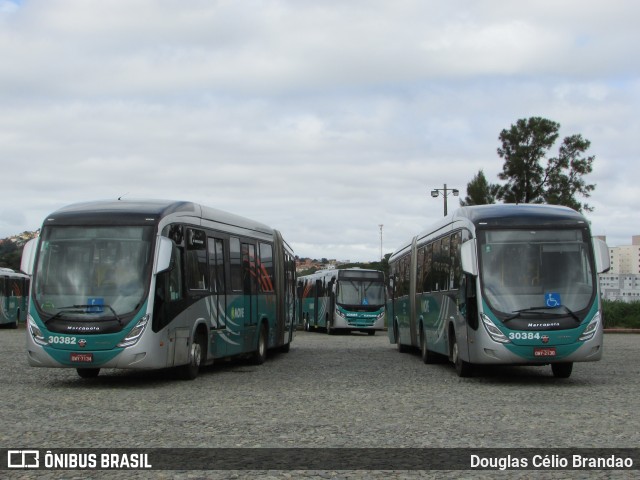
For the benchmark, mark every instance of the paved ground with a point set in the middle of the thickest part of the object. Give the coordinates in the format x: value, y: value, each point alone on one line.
x: 328, y: 391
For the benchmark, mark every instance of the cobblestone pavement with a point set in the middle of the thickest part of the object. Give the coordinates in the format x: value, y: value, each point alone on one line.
x: 328, y: 391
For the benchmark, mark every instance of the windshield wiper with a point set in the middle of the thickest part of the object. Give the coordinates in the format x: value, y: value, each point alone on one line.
x: 517, y: 313
x: 83, y: 309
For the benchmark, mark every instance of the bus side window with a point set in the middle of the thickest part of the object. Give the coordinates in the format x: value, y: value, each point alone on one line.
x: 175, y: 276
x: 236, y: 264
x: 169, y: 297
x: 196, y: 259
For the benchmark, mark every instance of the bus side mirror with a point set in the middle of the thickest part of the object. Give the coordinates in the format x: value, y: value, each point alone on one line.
x: 469, y: 258
x: 601, y: 250
x: 163, y: 257
x: 28, y: 256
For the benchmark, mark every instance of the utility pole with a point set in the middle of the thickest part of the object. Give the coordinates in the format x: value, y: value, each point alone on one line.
x: 445, y: 193
x: 381, y: 225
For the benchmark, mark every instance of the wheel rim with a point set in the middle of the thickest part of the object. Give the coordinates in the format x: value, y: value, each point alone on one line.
x: 263, y: 343
x: 196, y: 354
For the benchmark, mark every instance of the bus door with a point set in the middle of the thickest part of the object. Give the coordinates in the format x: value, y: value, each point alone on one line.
x: 250, y: 297
x: 218, y: 299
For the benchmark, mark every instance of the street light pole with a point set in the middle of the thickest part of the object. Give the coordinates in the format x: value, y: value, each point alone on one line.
x: 380, y: 241
x: 445, y: 193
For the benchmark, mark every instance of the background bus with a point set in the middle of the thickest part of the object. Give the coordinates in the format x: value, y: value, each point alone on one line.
x: 351, y: 299
x: 14, y: 295
x: 501, y: 284
x: 155, y: 284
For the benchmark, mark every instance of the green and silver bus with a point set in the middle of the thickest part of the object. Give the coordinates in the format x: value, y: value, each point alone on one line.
x: 351, y: 299
x: 14, y: 295
x: 154, y: 284
x: 500, y: 284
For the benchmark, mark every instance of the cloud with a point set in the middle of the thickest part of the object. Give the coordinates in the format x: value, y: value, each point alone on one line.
x: 323, y: 119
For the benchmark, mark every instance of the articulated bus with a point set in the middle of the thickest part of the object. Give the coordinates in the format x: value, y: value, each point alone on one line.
x: 500, y: 284
x: 14, y: 295
x: 351, y: 299
x: 153, y: 284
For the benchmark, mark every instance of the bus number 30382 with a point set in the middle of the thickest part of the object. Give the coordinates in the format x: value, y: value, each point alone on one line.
x: 63, y: 340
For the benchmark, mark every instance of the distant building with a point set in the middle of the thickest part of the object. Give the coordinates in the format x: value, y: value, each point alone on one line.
x: 626, y: 259
x: 622, y: 281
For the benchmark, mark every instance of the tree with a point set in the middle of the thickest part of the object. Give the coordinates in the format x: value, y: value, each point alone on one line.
x: 525, y: 146
x: 479, y: 191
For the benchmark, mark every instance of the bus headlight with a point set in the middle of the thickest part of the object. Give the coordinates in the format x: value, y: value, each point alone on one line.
x: 590, y: 331
x: 340, y: 313
x: 493, y: 331
x: 35, y: 332
x: 135, y: 333
x: 380, y: 316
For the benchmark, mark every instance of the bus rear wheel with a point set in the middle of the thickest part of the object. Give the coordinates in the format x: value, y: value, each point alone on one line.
x: 427, y: 355
x: 396, y: 331
x: 260, y: 355
x: 562, y: 370
x: 88, y: 372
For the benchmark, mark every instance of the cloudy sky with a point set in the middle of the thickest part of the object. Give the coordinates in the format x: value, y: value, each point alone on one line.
x: 324, y: 119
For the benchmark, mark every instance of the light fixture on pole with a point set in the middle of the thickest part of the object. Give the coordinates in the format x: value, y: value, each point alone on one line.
x: 445, y: 192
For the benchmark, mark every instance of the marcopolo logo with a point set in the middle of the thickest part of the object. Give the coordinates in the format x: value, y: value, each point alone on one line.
x: 23, y: 459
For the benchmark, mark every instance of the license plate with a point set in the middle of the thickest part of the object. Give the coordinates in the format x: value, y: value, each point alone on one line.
x: 544, y: 352
x: 82, y: 357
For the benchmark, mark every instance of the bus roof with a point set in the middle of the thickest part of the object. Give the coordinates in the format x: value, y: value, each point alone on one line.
x: 145, y: 211
x: 504, y: 215
x: 523, y: 214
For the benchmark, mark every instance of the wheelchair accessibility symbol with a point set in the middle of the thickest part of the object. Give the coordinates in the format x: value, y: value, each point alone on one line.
x: 552, y: 300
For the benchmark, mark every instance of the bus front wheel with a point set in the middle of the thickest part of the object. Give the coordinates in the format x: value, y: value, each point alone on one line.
x: 196, y: 354
x: 329, y: 329
x: 464, y: 369
x: 562, y: 370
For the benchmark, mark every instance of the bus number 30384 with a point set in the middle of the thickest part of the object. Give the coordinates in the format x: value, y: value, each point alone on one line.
x: 524, y: 336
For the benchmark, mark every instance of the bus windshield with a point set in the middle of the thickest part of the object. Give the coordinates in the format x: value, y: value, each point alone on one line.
x: 536, y: 270
x: 361, y: 290
x: 92, y: 272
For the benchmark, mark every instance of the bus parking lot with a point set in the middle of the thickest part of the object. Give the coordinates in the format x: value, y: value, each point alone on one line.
x: 328, y: 391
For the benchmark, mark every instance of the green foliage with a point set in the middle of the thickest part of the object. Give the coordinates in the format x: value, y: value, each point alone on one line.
x: 479, y: 191
x: 10, y: 255
x: 524, y: 149
x: 621, y: 314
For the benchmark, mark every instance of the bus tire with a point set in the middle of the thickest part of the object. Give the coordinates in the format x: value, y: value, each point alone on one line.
x: 260, y: 354
x: 197, y: 352
x: 371, y: 333
x: 427, y: 355
x: 562, y: 370
x: 287, y: 346
x: 464, y: 369
x: 401, y: 348
x: 88, y: 372
x: 330, y: 330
